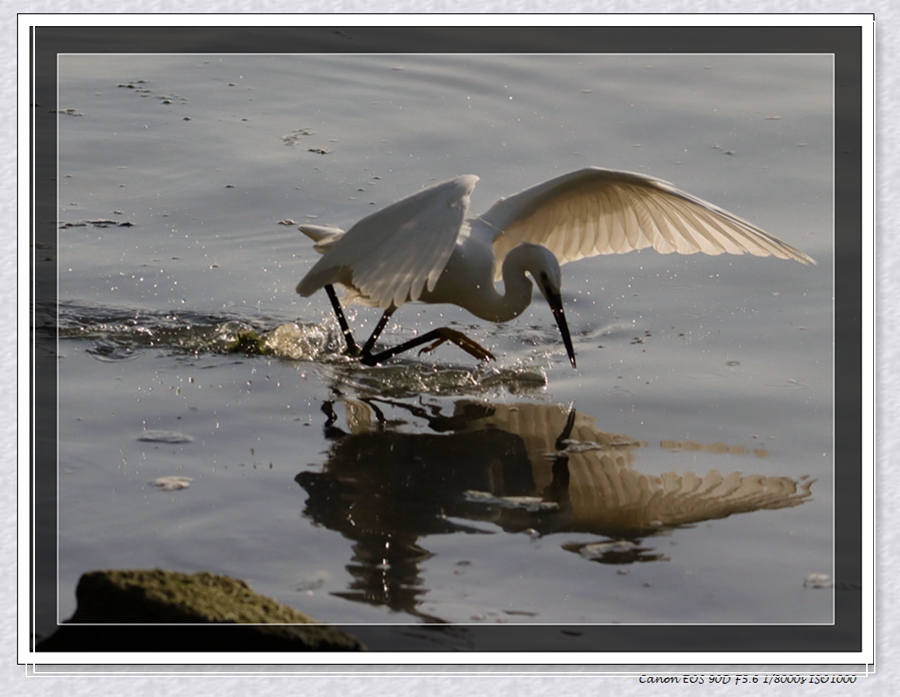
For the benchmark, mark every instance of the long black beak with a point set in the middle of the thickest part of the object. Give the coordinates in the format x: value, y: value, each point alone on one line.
x: 555, y: 301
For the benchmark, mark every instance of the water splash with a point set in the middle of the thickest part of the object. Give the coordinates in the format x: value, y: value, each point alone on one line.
x: 119, y: 334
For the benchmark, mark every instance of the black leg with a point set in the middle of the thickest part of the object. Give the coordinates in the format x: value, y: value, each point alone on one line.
x: 438, y: 336
x: 367, y: 349
x: 352, y: 348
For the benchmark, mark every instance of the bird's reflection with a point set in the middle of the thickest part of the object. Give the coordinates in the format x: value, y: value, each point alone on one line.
x: 399, y: 471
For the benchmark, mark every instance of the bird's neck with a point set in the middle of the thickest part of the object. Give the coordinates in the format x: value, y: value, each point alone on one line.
x: 495, y: 306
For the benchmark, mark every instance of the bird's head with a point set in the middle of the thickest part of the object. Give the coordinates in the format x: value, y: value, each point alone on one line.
x: 541, y: 263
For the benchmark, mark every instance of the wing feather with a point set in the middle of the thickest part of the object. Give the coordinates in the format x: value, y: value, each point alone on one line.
x: 600, y: 211
x: 392, y: 255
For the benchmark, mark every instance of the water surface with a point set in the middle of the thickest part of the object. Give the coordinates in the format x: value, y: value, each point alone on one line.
x: 682, y: 474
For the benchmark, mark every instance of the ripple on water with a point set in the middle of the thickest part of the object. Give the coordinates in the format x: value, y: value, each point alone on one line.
x: 409, y: 378
x: 161, y: 436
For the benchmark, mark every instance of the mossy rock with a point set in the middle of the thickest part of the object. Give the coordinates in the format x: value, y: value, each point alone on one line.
x: 157, y: 597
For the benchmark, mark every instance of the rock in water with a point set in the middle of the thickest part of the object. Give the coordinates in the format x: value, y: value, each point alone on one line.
x: 214, y: 613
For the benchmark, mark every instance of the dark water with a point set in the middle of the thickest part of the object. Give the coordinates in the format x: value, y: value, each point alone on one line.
x: 683, y: 473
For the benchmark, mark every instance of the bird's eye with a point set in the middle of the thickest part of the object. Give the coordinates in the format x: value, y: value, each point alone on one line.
x: 543, y: 275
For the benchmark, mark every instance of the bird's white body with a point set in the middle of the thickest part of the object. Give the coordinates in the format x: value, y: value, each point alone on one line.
x: 471, y: 266
x: 425, y: 248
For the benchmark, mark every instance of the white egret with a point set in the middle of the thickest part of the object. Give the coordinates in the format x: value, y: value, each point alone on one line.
x: 424, y: 247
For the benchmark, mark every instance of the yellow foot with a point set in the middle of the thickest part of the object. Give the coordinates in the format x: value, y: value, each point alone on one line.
x: 461, y: 340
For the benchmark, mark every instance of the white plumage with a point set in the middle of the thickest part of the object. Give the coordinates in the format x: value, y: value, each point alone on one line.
x: 424, y: 247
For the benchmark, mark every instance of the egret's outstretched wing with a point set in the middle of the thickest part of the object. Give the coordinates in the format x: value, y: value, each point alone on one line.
x: 389, y: 257
x: 600, y: 211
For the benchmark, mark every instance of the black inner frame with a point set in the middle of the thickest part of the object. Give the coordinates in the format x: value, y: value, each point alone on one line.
x: 845, y: 43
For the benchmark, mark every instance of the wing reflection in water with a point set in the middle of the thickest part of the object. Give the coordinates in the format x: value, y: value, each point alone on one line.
x: 389, y: 482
